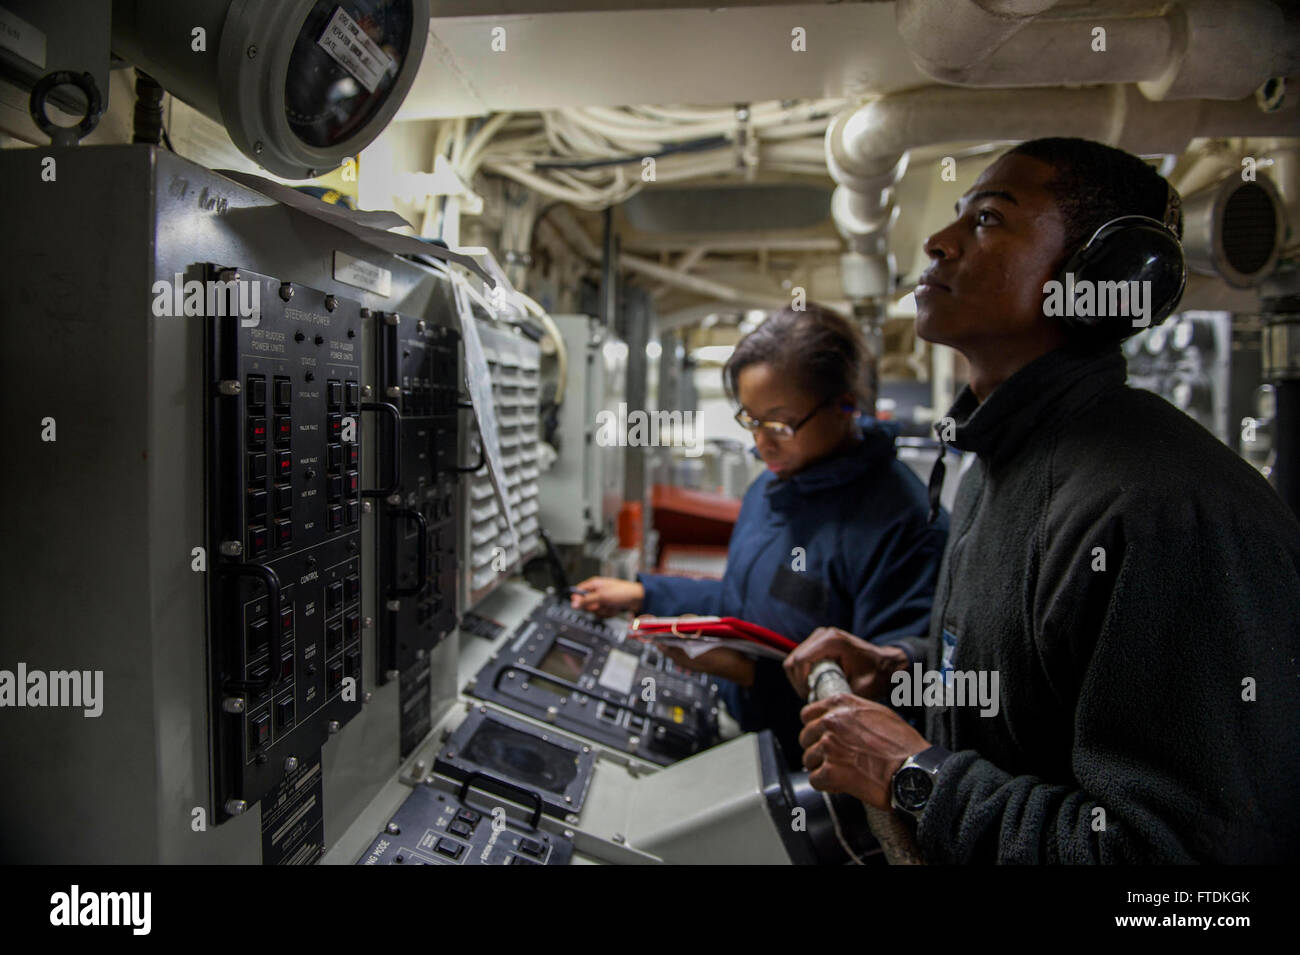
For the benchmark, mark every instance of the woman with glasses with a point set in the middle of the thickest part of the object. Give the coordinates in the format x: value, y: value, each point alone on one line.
x: 835, y: 533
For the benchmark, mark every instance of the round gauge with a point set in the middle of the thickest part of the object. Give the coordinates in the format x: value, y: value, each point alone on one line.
x: 343, y: 67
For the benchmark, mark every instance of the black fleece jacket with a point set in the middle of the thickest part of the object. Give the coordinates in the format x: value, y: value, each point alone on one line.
x: 1137, y: 587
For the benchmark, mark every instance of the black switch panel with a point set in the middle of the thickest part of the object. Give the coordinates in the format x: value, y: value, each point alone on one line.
x: 435, y: 828
x: 590, y: 678
x: 282, y: 683
x: 418, y: 369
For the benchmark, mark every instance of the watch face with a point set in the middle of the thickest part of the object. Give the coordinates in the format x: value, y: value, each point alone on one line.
x: 912, y: 788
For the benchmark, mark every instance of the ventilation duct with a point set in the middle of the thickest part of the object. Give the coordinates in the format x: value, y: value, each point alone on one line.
x: 1235, y: 229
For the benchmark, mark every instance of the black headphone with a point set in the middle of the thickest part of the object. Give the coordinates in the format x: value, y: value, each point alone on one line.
x: 1131, y: 249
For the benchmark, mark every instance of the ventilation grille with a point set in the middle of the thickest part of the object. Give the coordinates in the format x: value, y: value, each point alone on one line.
x: 513, y: 365
x: 1249, y: 229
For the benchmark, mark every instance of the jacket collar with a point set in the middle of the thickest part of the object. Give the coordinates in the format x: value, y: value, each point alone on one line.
x: 838, y: 469
x: 1044, y: 392
x: 1040, y: 395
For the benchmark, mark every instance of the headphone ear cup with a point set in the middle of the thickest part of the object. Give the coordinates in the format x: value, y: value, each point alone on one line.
x: 1127, y: 249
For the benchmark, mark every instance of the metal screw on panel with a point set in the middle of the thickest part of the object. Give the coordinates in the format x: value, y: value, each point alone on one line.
x: 333, y: 727
x: 551, y: 713
x: 235, y: 807
x: 393, y: 674
x: 568, y: 799
x: 365, y: 313
x: 392, y: 318
x: 368, y: 697
x: 228, y: 387
x: 233, y: 704
x: 263, y: 759
x: 368, y: 622
x: 257, y: 148
x: 393, y: 605
x: 568, y: 833
x: 586, y: 749
x: 231, y: 548
x: 367, y: 391
x: 366, y: 507
x: 451, y: 754
x: 419, y: 767
x: 393, y: 829
x: 395, y: 499
x: 252, y: 52
x: 633, y: 742
x: 286, y: 290
x: 290, y: 764
x: 571, y: 817
x: 331, y: 303
x: 421, y: 325
x: 482, y: 709
x: 393, y: 391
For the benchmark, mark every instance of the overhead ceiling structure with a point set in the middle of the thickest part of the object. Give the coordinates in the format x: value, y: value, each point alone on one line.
x: 890, y: 85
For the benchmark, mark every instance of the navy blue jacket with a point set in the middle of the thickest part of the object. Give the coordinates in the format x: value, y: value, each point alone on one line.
x: 846, y: 543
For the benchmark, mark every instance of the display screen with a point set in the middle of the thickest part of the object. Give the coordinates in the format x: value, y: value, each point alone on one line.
x: 522, y: 757
x: 565, y: 660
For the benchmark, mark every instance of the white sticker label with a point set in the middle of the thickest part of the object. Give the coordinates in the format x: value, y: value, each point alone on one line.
x: 619, y: 671
x: 24, y: 39
x: 344, y: 40
x: 350, y: 270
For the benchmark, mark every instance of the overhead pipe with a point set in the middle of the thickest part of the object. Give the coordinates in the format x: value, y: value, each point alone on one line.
x: 1195, y: 49
x: 867, y: 147
x: 564, y: 223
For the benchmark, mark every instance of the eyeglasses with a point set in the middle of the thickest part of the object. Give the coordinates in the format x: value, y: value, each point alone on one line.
x: 778, y: 429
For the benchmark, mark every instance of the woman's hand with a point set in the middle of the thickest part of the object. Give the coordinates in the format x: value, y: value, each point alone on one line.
x: 607, y: 596
x: 723, y: 661
x: 867, y: 666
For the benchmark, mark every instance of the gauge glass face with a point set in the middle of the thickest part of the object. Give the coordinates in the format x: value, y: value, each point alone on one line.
x: 343, y: 67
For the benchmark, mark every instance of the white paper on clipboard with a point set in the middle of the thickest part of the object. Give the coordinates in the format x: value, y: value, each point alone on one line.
x: 698, y: 646
x: 480, y: 393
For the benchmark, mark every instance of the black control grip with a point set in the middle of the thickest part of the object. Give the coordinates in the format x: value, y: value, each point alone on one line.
x: 272, y: 582
x: 394, y: 450
x: 511, y: 789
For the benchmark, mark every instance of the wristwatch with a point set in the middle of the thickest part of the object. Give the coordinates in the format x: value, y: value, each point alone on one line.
x: 914, y: 781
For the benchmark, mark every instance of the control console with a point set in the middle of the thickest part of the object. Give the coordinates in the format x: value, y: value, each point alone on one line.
x: 587, y: 676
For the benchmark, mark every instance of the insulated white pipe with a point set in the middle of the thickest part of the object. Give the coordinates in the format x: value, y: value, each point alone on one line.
x: 866, y: 148
x: 1195, y: 49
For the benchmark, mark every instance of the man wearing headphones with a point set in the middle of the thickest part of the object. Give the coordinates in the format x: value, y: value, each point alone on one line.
x: 1133, y: 584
